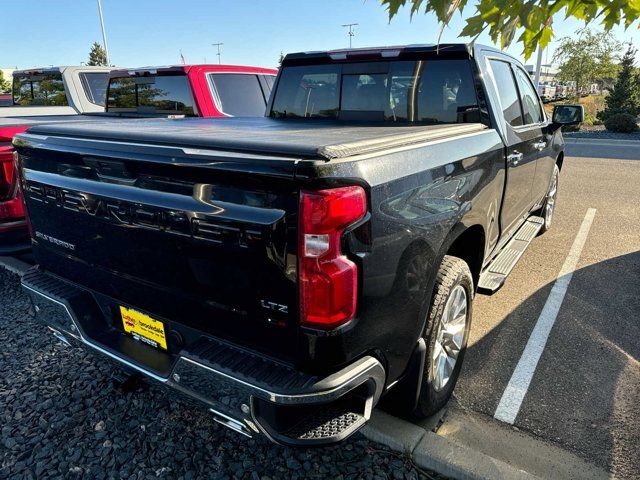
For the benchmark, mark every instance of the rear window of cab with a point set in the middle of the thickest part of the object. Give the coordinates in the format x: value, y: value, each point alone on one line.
x: 165, y: 95
x: 95, y: 86
x: 44, y: 89
x: 420, y: 91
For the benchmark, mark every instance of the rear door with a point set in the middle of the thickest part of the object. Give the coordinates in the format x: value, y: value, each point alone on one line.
x: 521, y: 150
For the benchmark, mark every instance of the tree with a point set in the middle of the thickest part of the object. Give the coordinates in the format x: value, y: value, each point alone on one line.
x: 5, y: 86
x: 531, y: 19
x: 624, y: 97
x: 586, y: 58
x: 280, y: 59
x: 97, y: 55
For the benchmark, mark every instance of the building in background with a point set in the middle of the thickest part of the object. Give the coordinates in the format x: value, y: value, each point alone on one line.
x: 547, y: 72
x: 550, y: 89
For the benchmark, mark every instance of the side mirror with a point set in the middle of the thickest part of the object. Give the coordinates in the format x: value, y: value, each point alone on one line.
x: 567, y: 115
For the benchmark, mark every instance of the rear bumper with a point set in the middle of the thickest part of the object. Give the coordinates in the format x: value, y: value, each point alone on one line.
x: 14, y: 237
x: 245, y: 391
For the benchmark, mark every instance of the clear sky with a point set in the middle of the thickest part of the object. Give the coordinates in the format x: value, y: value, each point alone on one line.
x: 152, y: 32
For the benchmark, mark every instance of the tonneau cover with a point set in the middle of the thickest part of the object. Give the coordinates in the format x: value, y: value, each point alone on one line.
x: 297, y: 138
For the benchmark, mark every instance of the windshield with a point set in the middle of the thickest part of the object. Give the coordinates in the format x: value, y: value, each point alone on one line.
x: 39, y: 90
x: 433, y: 91
x: 166, y: 95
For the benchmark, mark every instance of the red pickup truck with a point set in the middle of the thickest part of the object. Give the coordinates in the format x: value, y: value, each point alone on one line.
x: 172, y: 91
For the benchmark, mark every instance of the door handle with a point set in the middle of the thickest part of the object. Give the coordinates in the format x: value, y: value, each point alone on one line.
x: 514, y: 158
x: 540, y: 145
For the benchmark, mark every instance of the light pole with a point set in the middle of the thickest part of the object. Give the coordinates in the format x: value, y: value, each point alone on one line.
x: 104, y: 35
x: 536, y: 82
x: 218, y: 45
x: 351, y: 33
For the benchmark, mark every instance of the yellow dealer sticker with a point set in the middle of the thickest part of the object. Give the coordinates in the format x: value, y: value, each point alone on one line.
x: 143, y: 328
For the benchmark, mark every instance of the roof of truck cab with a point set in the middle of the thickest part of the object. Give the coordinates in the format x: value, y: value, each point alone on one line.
x: 61, y: 68
x: 387, y: 51
x: 422, y: 50
x: 205, y: 67
x: 318, y: 139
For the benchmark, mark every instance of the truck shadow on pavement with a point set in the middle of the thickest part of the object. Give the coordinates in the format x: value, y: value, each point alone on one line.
x: 585, y: 391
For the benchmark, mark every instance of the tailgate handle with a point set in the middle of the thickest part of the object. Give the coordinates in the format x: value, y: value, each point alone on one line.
x: 118, y: 180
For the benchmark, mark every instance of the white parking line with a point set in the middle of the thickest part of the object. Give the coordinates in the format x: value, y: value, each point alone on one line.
x: 516, y: 390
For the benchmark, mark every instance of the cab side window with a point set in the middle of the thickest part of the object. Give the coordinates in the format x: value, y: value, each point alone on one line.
x: 507, y: 91
x: 530, y: 104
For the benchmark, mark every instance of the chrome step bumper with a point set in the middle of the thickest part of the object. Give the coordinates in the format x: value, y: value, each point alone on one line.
x: 245, y: 391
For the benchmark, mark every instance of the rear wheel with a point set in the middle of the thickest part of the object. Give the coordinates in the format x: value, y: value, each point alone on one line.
x: 446, y: 334
x: 546, y: 212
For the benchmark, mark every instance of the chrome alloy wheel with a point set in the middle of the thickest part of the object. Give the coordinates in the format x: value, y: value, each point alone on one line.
x: 449, y: 335
x: 551, y: 200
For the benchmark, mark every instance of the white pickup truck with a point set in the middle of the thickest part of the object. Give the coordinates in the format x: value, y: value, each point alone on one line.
x: 40, y: 95
x: 57, y: 91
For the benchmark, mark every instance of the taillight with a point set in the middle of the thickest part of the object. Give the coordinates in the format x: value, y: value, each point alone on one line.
x: 7, y: 177
x: 11, y: 205
x: 328, y: 279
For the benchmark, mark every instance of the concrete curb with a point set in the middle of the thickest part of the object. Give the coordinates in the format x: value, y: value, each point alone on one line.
x: 602, y: 141
x: 436, y: 453
x: 14, y: 265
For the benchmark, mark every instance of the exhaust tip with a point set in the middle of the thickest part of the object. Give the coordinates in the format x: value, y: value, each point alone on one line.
x: 60, y: 337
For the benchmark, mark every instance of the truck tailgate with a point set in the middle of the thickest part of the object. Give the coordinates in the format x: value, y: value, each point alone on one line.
x: 193, y: 238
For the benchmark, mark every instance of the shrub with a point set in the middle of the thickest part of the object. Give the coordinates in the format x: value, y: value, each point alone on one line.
x: 621, y: 122
x: 589, y: 119
x: 623, y: 97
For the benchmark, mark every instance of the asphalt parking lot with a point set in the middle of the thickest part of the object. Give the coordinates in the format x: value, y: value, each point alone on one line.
x: 61, y: 416
x: 585, y: 390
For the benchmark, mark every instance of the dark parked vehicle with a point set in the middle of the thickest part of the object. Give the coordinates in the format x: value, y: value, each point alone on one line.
x: 291, y: 271
x: 6, y: 100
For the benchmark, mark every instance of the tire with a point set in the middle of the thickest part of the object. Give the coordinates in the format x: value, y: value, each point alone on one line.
x: 548, y: 207
x: 453, y: 281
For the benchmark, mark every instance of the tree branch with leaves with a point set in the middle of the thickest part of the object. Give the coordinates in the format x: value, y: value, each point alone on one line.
x: 528, y: 22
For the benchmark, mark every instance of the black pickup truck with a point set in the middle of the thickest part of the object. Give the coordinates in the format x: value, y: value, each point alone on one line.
x: 290, y: 272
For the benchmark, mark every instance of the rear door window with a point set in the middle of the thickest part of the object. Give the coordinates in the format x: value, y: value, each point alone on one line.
x: 45, y: 89
x: 507, y: 92
x: 239, y: 94
x: 446, y: 93
x: 530, y: 103
x: 95, y: 86
x: 162, y: 94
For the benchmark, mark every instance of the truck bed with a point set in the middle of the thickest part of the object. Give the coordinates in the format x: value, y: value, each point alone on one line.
x: 30, y: 111
x: 296, y: 138
x: 40, y: 120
